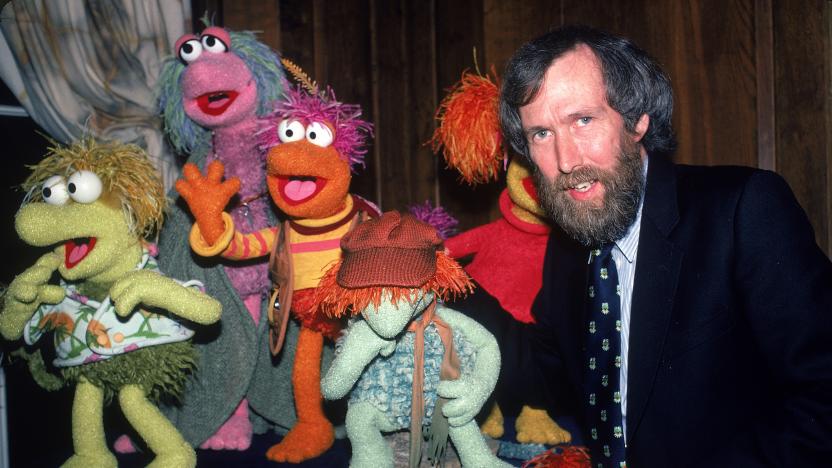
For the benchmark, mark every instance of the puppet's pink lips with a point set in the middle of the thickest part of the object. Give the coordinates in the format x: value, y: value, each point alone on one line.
x: 215, y: 103
x: 298, y: 189
x: 76, y: 250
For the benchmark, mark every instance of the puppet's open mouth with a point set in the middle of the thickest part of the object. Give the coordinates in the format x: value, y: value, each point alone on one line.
x: 298, y: 189
x: 528, y: 184
x: 76, y: 250
x: 217, y: 102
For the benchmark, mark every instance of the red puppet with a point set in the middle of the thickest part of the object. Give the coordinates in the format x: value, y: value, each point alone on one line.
x: 507, y: 253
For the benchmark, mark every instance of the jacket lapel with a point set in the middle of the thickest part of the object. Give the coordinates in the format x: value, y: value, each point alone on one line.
x: 566, y: 269
x: 657, y: 272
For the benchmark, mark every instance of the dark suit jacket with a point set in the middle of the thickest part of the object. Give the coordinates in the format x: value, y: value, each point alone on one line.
x: 729, y: 354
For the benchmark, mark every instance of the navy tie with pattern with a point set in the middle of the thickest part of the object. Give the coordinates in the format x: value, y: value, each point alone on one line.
x: 603, y: 361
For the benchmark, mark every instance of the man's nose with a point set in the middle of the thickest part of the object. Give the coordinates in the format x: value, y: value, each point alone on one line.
x: 567, y: 154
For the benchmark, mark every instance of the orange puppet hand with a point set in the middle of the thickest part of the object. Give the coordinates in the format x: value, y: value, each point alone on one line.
x: 207, y: 196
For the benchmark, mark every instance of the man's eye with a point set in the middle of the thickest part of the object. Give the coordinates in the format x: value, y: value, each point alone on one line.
x: 540, y: 134
x: 584, y: 121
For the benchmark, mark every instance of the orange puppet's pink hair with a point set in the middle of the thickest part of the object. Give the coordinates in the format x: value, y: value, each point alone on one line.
x: 449, y: 281
x: 469, y: 129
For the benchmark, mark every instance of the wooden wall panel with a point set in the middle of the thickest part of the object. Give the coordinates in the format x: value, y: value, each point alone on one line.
x: 297, y: 33
x: 801, y: 64
x: 260, y: 16
x: 343, y: 61
x: 508, y: 25
x: 404, y: 99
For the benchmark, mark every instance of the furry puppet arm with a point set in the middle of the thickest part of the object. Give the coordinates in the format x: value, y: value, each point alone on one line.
x: 27, y: 292
x: 470, y: 391
x: 361, y: 345
x: 207, y: 197
x: 155, y: 290
x: 468, y: 242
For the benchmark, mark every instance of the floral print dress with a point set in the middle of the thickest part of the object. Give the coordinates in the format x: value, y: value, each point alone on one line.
x: 86, y: 330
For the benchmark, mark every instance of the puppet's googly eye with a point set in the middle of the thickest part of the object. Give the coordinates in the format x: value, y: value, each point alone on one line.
x: 84, y: 187
x: 319, y: 134
x: 213, y: 44
x: 190, y: 50
x: 290, y: 130
x: 54, y: 191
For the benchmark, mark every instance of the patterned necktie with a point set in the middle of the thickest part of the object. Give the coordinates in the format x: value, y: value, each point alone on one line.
x: 603, y: 361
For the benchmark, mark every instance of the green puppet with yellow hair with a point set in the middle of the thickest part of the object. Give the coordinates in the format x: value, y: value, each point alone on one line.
x: 114, y: 317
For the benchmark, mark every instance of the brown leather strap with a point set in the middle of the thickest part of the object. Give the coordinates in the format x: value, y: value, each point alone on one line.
x: 449, y: 370
x: 282, y: 273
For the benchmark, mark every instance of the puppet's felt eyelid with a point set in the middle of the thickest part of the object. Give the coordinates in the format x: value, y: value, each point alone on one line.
x: 54, y: 191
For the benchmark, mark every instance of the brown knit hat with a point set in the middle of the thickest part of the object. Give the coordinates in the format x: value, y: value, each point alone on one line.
x: 392, y: 250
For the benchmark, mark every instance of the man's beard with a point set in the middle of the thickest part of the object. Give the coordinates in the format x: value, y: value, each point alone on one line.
x: 592, y: 225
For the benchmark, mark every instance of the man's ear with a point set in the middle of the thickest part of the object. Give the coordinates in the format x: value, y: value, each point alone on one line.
x: 641, y: 127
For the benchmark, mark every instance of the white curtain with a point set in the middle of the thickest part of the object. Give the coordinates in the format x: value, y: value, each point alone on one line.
x: 90, y: 67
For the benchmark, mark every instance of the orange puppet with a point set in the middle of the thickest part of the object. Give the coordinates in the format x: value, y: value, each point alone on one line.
x: 314, y: 142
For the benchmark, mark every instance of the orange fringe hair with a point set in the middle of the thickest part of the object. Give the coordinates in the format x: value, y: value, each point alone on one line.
x: 449, y: 281
x: 469, y: 129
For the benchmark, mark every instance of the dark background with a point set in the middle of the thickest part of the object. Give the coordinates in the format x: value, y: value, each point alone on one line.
x: 751, y: 80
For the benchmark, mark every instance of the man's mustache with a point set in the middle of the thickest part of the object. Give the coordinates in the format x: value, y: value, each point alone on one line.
x: 578, y: 176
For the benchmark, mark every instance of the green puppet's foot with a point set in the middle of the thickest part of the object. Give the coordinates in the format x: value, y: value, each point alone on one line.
x: 369, y: 449
x: 161, y: 436
x: 534, y: 426
x: 102, y: 460
x: 493, y: 425
x: 88, y: 428
x: 472, y: 449
x: 181, y: 457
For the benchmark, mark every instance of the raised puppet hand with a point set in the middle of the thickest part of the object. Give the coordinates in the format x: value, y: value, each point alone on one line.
x: 207, y: 197
x: 155, y: 290
x: 27, y: 292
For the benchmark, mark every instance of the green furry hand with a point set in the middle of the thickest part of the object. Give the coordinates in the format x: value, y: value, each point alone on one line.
x: 468, y: 393
x: 466, y: 399
x: 27, y: 292
x: 361, y: 345
x: 155, y: 290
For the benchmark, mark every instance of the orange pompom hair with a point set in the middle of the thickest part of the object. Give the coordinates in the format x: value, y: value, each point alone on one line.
x: 449, y: 281
x: 469, y: 129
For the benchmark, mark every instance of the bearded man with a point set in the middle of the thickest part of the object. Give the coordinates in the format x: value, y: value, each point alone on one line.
x: 684, y: 318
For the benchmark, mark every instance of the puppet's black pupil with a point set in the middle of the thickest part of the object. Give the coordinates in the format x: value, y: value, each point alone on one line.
x: 210, y: 41
x: 71, y: 188
x: 312, y: 135
x: 289, y: 133
x: 47, y: 192
x: 187, y: 48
